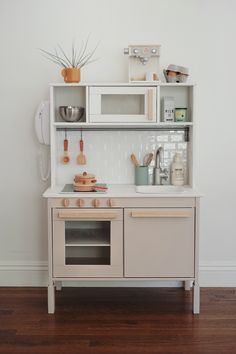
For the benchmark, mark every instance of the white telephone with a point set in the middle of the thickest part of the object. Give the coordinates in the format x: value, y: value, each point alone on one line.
x: 42, y: 123
x: 42, y: 129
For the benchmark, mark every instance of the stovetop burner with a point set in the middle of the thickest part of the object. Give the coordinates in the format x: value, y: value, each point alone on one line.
x: 68, y: 188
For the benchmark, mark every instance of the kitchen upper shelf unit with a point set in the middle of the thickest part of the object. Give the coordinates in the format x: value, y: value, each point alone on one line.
x: 121, y: 104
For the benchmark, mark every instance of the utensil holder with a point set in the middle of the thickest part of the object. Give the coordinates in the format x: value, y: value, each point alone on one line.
x: 141, y: 175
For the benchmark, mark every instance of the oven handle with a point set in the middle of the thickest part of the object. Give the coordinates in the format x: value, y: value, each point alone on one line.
x: 150, y: 95
x: 160, y: 214
x: 86, y: 215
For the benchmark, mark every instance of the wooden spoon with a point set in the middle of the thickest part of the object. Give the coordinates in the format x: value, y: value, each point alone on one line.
x: 66, y: 157
x: 147, y: 159
x: 81, y: 158
x: 134, y: 160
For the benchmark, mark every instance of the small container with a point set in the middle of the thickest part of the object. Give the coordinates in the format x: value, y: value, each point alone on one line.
x: 181, y: 114
x: 168, y: 109
x: 175, y: 73
x: 177, y: 171
x: 141, y: 175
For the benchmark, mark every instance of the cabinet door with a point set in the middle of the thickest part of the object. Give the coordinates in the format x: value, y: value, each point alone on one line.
x: 122, y: 104
x: 159, y: 242
x: 87, y: 243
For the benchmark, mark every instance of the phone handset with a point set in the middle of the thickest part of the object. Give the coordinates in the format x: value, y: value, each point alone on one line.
x: 42, y: 130
x: 42, y: 123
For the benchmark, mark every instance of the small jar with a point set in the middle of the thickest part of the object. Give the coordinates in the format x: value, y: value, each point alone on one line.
x: 181, y: 114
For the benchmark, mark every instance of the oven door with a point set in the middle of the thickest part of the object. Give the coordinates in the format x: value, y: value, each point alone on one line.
x: 87, y: 243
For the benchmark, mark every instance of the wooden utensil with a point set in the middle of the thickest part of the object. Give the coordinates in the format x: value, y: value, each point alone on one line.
x: 134, y: 160
x: 66, y: 157
x: 81, y: 158
x: 147, y: 159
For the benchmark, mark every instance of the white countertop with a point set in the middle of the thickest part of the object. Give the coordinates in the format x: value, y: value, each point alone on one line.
x: 120, y: 191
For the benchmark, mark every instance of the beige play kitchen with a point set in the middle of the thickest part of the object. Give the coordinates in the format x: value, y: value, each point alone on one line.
x: 107, y: 222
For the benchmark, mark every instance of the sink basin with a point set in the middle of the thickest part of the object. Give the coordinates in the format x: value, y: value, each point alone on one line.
x: 167, y: 189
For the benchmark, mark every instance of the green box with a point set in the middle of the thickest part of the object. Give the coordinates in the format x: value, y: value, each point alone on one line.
x: 181, y: 114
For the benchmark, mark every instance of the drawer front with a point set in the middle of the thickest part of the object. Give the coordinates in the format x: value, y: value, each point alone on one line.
x: 159, y: 242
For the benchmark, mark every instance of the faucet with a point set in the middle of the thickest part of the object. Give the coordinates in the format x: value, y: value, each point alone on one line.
x: 160, y: 173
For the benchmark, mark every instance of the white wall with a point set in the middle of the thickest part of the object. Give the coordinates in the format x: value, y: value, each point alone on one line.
x: 199, y: 34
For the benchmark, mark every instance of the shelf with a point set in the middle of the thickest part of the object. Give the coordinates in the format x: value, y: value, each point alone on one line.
x: 175, y: 124
x: 120, y: 126
x: 87, y: 261
x: 133, y: 83
x: 87, y: 237
x: 88, y: 243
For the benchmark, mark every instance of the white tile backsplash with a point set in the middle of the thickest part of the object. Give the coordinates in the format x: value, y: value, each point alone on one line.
x: 108, y: 153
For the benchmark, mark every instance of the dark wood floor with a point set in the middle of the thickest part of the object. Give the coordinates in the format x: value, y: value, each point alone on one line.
x: 117, y: 320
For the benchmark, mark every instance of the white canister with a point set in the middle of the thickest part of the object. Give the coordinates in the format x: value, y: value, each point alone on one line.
x: 177, y: 170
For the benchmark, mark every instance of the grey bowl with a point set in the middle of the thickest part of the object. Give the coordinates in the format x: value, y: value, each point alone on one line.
x: 71, y: 113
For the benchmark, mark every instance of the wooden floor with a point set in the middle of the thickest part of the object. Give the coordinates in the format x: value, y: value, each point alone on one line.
x: 117, y: 320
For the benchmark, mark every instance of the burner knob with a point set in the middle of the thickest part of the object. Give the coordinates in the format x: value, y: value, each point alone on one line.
x: 66, y: 203
x: 80, y: 203
x: 96, y: 203
x: 110, y: 203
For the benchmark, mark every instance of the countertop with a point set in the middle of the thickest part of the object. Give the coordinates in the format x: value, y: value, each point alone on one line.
x: 120, y: 191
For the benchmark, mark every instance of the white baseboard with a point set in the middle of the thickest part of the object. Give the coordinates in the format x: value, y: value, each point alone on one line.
x: 23, y: 273
x: 212, y: 274
x: 217, y: 274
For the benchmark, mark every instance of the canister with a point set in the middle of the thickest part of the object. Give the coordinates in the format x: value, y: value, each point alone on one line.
x: 181, y: 114
x: 141, y: 175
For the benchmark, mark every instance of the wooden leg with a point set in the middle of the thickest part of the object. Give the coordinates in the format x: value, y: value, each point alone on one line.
x: 58, y: 285
x: 51, y: 298
x: 196, y: 297
x: 187, y: 285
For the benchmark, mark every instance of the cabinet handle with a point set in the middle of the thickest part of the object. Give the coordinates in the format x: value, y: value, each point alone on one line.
x: 160, y: 214
x: 86, y: 215
x: 150, y: 104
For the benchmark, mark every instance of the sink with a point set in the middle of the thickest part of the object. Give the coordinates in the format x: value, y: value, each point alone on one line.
x: 166, y: 189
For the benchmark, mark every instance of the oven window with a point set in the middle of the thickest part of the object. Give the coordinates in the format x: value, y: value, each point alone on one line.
x: 87, y: 242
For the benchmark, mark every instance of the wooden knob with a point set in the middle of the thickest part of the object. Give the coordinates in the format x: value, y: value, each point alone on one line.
x: 80, y: 203
x: 110, y: 203
x: 66, y: 202
x: 96, y: 203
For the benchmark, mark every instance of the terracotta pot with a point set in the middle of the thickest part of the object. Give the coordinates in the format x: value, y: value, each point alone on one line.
x: 83, y: 188
x: 85, y: 178
x: 71, y: 75
x: 85, y: 181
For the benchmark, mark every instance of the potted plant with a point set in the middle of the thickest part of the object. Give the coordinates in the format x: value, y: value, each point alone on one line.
x: 71, y: 64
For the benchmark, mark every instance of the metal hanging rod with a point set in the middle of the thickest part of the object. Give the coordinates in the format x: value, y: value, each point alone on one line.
x: 186, y: 129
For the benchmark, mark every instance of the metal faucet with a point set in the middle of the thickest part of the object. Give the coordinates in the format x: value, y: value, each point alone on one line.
x: 160, y: 173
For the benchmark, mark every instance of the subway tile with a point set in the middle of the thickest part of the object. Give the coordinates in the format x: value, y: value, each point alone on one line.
x: 108, y: 153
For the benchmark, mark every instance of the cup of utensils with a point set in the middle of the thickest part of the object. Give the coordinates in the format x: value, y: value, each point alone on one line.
x: 141, y: 173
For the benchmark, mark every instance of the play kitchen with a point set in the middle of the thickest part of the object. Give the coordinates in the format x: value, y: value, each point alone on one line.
x: 122, y: 205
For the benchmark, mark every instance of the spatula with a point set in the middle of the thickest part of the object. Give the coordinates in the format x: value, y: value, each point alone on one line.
x: 147, y: 159
x: 81, y: 158
x: 65, y: 158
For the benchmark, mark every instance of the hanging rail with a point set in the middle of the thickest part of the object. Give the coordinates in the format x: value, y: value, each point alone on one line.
x: 123, y: 128
x: 185, y: 129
